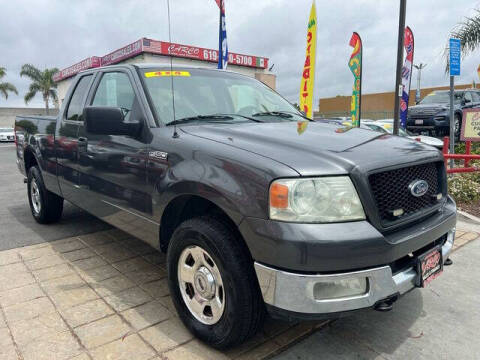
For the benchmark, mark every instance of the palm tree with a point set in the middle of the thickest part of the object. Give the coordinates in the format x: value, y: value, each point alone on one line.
x: 42, y: 82
x: 6, y: 87
x: 468, y: 32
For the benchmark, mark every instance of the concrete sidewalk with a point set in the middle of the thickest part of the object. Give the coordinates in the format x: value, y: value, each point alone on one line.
x: 105, y: 296
x: 439, y: 322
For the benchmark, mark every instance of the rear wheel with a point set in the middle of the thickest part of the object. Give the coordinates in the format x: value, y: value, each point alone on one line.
x: 46, y: 206
x: 213, y: 284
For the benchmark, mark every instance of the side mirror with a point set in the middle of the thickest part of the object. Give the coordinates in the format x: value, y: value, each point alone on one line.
x: 466, y: 101
x: 106, y: 120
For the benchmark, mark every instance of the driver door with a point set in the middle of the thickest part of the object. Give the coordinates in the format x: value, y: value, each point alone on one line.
x: 113, y: 167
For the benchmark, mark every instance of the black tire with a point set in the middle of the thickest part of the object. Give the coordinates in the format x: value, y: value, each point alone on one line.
x: 244, y: 309
x: 47, y: 207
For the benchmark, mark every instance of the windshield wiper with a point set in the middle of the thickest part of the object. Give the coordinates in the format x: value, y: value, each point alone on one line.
x: 199, y: 117
x: 209, y: 118
x: 283, y: 114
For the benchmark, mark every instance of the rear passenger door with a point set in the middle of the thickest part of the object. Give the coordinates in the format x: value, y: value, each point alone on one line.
x: 66, y: 144
x: 113, y: 167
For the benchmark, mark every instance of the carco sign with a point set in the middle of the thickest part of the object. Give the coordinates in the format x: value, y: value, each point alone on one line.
x: 145, y: 45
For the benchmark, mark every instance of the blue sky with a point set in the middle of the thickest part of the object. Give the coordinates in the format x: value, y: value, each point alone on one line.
x: 58, y: 33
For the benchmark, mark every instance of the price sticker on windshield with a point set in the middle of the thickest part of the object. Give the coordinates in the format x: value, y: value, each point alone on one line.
x: 166, y: 73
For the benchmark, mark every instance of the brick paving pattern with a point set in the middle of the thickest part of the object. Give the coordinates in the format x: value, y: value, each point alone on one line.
x: 105, y: 296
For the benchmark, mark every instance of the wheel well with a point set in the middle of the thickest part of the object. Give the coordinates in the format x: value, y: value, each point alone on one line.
x: 187, y: 207
x: 29, y: 159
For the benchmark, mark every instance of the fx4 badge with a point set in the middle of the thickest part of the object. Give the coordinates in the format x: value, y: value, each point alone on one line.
x: 160, y: 155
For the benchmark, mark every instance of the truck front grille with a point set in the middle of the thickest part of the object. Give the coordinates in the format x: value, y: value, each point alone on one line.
x: 392, y: 193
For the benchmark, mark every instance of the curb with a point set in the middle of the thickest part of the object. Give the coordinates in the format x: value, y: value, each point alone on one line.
x: 464, y: 216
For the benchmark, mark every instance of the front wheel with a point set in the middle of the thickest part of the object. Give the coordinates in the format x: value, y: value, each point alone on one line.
x: 213, y: 284
x: 457, y: 126
x: 46, y: 206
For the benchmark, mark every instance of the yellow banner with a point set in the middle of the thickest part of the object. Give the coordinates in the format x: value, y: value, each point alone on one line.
x: 166, y: 73
x: 308, y: 74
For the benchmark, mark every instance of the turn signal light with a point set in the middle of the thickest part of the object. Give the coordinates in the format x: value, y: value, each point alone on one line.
x: 279, y: 196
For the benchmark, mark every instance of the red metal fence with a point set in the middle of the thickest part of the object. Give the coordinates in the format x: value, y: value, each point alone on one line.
x: 467, y: 157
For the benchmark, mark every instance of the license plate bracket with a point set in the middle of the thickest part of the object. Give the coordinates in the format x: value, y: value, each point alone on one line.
x: 429, y: 266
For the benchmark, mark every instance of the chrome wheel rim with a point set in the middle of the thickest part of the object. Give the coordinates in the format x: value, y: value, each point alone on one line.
x: 201, y: 285
x: 35, y: 196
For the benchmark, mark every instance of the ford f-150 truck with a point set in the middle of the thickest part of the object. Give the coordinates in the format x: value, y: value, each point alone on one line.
x: 256, y: 207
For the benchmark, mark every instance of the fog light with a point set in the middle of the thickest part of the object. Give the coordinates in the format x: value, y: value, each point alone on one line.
x: 341, y: 288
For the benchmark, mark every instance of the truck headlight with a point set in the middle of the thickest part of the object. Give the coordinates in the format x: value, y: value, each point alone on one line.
x: 315, y: 200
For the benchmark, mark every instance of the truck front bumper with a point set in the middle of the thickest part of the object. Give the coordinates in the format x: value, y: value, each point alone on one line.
x: 330, y: 294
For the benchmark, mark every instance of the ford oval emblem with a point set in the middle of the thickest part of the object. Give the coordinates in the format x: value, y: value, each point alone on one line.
x: 418, y: 188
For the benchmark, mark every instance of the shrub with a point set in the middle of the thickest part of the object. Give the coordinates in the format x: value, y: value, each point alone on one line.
x: 464, y: 187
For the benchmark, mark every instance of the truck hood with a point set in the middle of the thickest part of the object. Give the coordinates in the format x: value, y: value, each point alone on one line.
x: 313, y: 148
x: 429, y: 109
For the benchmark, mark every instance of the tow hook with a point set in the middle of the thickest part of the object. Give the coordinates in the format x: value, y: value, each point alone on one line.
x: 386, y: 305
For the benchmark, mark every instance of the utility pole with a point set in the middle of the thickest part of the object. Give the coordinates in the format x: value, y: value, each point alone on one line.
x: 398, y: 80
x: 419, y: 68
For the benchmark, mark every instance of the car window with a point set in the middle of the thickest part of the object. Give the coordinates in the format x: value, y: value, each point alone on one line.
x: 475, y: 96
x: 115, y: 90
x: 468, y: 96
x: 75, y: 107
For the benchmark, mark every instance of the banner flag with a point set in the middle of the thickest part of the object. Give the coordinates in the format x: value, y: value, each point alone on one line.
x: 222, y: 37
x: 406, y: 76
x: 355, y: 65
x: 308, y: 74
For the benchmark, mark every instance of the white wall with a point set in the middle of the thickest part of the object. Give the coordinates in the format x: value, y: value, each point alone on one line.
x: 7, y: 114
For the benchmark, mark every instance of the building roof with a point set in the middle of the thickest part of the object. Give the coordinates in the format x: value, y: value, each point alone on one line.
x: 157, y: 47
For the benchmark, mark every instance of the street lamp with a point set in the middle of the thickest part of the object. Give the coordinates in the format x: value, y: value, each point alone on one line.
x: 419, y: 67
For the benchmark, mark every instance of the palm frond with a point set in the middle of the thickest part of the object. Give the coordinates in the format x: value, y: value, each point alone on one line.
x: 3, y: 72
x: 468, y: 32
x: 31, y: 72
x: 7, y: 87
x: 53, y: 95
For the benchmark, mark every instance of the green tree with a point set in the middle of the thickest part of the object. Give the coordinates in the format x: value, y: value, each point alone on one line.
x: 468, y: 32
x: 42, y: 82
x: 6, y: 87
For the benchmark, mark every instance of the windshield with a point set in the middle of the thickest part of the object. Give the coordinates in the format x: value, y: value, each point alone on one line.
x: 5, y: 130
x: 202, y: 93
x: 442, y: 97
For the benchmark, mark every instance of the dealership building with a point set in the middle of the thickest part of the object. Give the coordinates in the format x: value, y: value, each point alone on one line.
x: 154, y: 51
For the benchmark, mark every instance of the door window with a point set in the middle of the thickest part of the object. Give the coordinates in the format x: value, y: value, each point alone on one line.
x: 115, y: 90
x: 75, y: 107
x: 468, y: 97
x: 476, y: 96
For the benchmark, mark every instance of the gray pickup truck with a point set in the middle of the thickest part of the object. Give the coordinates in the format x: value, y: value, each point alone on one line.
x: 257, y: 208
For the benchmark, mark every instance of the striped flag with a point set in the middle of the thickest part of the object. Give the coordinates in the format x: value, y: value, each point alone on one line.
x: 222, y: 37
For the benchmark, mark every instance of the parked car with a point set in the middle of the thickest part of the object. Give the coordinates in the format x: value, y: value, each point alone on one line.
x: 387, y: 125
x: 7, y: 134
x: 432, y: 114
x: 257, y: 207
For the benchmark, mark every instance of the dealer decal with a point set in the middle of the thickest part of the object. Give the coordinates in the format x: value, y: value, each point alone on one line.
x: 166, y: 73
